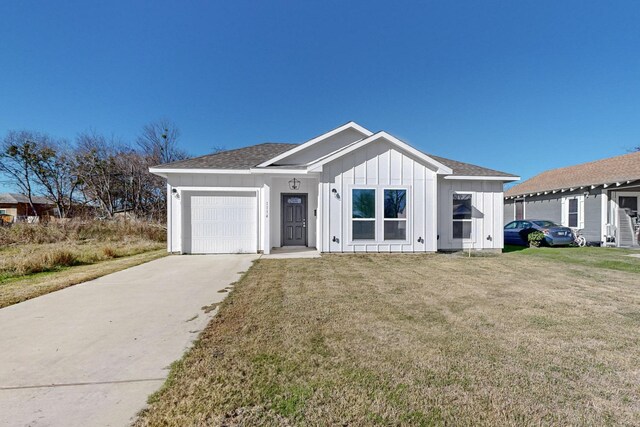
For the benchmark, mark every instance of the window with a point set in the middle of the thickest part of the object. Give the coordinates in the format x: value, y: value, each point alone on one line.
x: 512, y: 225
x: 363, y: 214
x: 3, y: 211
x: 395, y: 214
x: 519, y: 207
x: 379, y: 214
x: 573, y: 212
x: 462, y: 221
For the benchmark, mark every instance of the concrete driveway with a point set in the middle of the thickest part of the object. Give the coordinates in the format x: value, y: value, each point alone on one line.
x: 90, y: 355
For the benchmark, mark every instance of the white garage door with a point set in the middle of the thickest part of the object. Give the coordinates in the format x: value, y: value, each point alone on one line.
x: 222, y: 223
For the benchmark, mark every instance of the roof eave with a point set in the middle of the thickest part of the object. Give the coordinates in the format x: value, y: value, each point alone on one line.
x: 542, y: 192
x: 483, y: 178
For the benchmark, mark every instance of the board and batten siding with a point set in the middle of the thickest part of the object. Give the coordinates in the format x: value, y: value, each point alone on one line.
x: 549, y: 207
x: 487, y: 217
x: 378, y: 165
x: 175, y: 208
x: 280, y: 186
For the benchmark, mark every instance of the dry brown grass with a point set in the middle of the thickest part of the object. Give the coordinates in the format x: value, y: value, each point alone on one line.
x: 31, y: 252
x: 81, y: 231
x: 24, y: 260
x: 414, y: 340
x: 15, y: 291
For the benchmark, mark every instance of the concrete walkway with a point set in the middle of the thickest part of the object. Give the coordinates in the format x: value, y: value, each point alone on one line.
x: 90, y: 355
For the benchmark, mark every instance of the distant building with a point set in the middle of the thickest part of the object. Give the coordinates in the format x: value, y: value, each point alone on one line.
x: 15, y: 207
x: 601, y: 198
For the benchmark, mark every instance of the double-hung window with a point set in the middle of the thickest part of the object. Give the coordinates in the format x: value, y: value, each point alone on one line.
x: 462, y: 215
x: 363, y: 214
x: 519, y: 209
x: 573, y: 212
x: 395, y: 214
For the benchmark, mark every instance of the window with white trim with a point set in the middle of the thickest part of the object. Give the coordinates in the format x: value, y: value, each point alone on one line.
x: 573, y: 211
x: 462, y: 215
x: 519, y: 209
x: 395, y: 214
x: 379, y: 214
x: 363, y: 214
x: 3, y: 211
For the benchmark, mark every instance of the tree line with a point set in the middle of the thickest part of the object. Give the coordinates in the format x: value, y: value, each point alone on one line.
x: 94, y: 172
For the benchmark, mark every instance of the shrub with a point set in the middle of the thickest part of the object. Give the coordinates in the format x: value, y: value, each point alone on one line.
x: 29, y: 263
x: 60, y: 258
x: 535, y: 238
x: 109, y: 252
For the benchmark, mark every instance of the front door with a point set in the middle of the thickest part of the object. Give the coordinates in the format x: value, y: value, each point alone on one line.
x: 294, y: 220
x: 630, y: 203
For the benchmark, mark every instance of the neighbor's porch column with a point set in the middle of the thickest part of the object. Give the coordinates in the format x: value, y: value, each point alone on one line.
x: 266, y: 216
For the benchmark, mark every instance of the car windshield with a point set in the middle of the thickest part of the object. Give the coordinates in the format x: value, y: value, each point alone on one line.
x: 545, y: 223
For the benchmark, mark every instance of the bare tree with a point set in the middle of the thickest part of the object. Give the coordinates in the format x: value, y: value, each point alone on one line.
x: 99, y: 170
x: 159, y: 141
x: 19, y: 151
x: 55, y: 175
x: 157, y: 144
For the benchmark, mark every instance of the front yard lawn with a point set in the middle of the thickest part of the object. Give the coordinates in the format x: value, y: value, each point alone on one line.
x: 517, y: 339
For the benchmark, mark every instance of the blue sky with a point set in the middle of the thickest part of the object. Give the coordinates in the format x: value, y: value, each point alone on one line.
x: 516, y: 86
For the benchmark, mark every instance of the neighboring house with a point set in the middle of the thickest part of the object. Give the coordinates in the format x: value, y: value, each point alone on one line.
x: 18, y: 208
x: 601, y: 198
x: 348, y: 190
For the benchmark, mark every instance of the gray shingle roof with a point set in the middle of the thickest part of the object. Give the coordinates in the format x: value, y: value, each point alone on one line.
x: 13, y: 198
x: 248, y: 157
x: 240, y: 158
x: 467, y: 169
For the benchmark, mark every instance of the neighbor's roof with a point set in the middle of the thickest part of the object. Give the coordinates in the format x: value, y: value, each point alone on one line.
x: 12, y: 198
x: 240, y: 158
x: 619, y: 169
x: 248, y: 157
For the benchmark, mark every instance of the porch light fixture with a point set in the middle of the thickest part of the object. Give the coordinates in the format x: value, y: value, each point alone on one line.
x: 294, y: 184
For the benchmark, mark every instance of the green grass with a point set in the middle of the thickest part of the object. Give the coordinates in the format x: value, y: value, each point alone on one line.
x: 606, y: 258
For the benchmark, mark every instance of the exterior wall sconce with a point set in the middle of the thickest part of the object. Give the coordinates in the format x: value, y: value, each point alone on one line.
x: 335, y: 193
x: 175, y: 193
x: 294, y: 184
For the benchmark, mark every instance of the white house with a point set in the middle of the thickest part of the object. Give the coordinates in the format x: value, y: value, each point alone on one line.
x: 348, y: 190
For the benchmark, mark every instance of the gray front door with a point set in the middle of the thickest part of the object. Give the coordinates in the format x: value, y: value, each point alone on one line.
x: 294, y: 220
